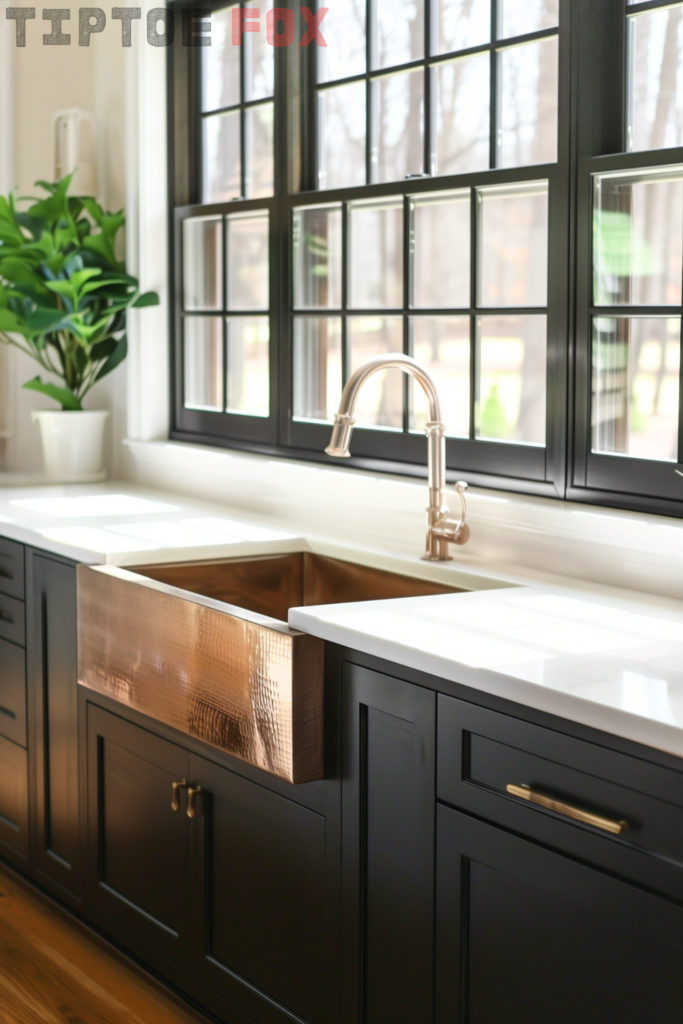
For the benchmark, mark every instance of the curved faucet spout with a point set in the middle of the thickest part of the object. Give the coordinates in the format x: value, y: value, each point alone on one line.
x: 440, y: 530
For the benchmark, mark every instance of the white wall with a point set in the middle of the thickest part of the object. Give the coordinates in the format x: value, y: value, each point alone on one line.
x: 45, y: 79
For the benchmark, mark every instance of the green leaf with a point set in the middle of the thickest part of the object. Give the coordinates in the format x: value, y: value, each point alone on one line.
x: 103, y: 349
x: 43, y: 319
x: 100, y: 246
x: 117, y: 356
x: 9, y: 321
x: 66, y: 398
x: 148, y: 299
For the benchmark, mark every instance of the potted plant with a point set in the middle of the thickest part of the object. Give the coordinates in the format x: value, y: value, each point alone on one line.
x: 63, y: 302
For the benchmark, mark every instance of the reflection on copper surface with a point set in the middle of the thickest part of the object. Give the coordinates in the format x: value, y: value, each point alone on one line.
x: 228, y: 675
x: 248, y: 688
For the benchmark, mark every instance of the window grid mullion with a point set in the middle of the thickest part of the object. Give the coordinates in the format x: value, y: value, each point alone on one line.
x: 474, y: 284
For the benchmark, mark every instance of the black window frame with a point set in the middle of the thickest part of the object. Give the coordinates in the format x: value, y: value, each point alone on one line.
x: 592, y: 113
x: 602, y: 97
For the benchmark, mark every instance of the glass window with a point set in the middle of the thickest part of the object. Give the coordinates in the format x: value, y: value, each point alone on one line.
x: 638, y: 238
x: 203, y: 263
x: 510, y: 403
x: 513, y: 245
x: 248, y: 264
x: 317, y: 367
x: 237, y: 84
x: 636, y: 370
x: 248, y: 367
x: 440, y: 249
x: 442, y: 345
x: 655, y: 105
x: 203, y: 363
x: 376, y: 254
x: 413, y: 113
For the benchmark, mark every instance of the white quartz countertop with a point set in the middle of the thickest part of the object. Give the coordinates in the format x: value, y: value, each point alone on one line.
x: 606, y: 658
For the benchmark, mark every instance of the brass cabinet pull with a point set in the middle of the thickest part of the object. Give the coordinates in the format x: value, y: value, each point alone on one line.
x: 175, y: 799
x: 192, y: 792
x: 523, y: 791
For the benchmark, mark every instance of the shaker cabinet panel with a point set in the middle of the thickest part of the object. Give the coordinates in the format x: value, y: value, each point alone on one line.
x: 138, y: 845
x: 11, y: 568
x: 388, y: 746
x: 13, y: 802
x: 528, y: 936
x: 52, y: 671
x: 13, y: 693
x: 261, y: 908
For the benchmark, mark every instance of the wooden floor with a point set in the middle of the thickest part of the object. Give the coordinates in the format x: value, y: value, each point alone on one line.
x: 54, y: 972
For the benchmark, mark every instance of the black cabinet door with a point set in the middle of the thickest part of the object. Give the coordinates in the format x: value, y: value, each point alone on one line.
x: 52, y: 670
x: 388, y: 801
x: 527, y: 936
x: 138, y: 861
x: 13, y: 803
x: 258, y: 898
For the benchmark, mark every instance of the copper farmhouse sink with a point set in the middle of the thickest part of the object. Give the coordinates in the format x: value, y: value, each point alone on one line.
x: 205, y: 648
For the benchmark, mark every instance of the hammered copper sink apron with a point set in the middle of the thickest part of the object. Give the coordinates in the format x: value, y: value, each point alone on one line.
x: 204, y: 647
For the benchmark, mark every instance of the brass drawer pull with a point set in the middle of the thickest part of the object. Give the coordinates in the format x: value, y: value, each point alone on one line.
x: 192, y: 792
x: 615, y: 827
x: 175, y: 799
x: 5, y: 615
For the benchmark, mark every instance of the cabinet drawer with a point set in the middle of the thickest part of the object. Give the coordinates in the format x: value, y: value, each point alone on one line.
x: 12, y: 620
x: 481, y: 753
x: 11, y: 568
x: 12, y: 692
x: 13, y: 800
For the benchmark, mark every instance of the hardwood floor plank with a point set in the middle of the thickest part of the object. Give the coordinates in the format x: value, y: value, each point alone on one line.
x: 52, y: 972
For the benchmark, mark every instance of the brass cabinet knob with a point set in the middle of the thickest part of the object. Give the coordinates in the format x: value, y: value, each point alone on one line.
x: 175, y: 798
x: 192, y: 792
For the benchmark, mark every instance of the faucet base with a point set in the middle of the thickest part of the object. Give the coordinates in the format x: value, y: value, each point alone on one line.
x: 436, y: 558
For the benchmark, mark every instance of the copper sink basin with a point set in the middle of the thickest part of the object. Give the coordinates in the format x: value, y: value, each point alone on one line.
x: 205, y: 648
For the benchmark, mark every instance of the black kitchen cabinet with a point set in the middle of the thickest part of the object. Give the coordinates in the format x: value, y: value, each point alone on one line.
x: 13, y: 803
x: 527, y: 936
x: 388, y: 803
x: 52, y: 675
x: 234, y: 896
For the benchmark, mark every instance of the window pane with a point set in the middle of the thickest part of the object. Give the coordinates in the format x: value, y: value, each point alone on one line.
x: 398, y: 111
x: 399, y: 32
x: 462, y: 115
x: 203, y: 263
x: 518, y: 17
x: 203, y: 362
x: 317, y: 258
x: 248, y: 261
x: 511, y: 379
x: 317, y: 367
x: 442, y: 345
x: 462, y: 23
x: 259, y: 135
x: 220, y: 64
x: 248, y: 377
x: 513, y: 245
x: 258, y: 58
x: 655, y: 79
x: 440, y: 250
x: 380, y: 402
x: 343, y: 29
x: 341, y: 123
x: 638, y: 229
x: 221, y: 170
x: 635, y: 386
x: 376, y: 254
x: 528, y: 104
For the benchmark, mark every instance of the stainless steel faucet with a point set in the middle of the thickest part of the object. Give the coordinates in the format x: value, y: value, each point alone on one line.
x: 441, y: 531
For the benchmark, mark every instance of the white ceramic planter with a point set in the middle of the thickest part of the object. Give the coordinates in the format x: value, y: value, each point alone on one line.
x: 73, y: 444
